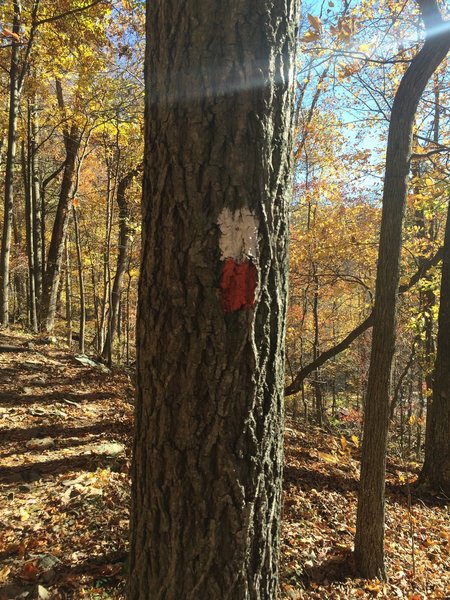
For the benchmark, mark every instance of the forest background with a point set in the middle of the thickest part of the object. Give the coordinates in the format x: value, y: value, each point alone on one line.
x: 71, y: 162
x: 72, y: 189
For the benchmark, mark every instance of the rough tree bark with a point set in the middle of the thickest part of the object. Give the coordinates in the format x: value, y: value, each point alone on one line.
x: 369, y: 538
x: 207, y: 462
x: 436, y: 467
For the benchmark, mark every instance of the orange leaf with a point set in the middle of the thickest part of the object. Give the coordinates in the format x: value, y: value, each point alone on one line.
x: 374, y: 588
x: 8, y: 33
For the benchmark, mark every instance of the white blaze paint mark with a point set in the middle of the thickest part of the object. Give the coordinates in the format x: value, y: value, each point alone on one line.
x: 239, y: 234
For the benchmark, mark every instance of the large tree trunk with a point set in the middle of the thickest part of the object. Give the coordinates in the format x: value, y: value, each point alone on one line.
x: 125, y: 232
x: 9, y: 168
x: 369, y: 539
x: 207, y: 462
x: 436, y: 468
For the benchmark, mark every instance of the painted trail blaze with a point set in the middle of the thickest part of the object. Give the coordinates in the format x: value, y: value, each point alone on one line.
x: 238, y: 285
x: 239, y: 246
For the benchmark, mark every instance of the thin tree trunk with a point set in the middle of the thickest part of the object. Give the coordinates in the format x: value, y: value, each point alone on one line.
x: 9, y: 168
x: 436, y: 468
x: 72, y: 142
x: 422, y: 401
x: 68, y: 294
x: 36, y: 202
x: 106, y: 302
x: 80, y: 282
x: 55, y: 251
x: 96, y: 302
x: 42, y: 193
x: 128, y: 312
x: 318, y: 396
x: 369, y: 539
x: 125, y: 232
x: 398, y: 388
x: 29, y: 227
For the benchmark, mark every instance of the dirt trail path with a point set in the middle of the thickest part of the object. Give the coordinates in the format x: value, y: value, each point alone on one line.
x: 65, y: 432
x: 64, y: 452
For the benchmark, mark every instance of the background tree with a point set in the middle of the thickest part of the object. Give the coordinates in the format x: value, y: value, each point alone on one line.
x: 436, y: 467
x: 73, y: 134
x: 17, y: 73
x: 126, y: 231
x: 369, y: 538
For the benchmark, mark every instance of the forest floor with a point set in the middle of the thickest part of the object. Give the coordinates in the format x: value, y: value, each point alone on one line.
x: 65, y: 431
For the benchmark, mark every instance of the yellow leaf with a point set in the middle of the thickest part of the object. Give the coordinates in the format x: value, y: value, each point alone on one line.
x: 4, y: 572
x: 24, y: 515
x: 310, y: 36
x: 364, y: 48
x: 404, y: 280
x: 355, y: 441
x: 343, y: 442
x: 315, y: 23
x: 327, y: 457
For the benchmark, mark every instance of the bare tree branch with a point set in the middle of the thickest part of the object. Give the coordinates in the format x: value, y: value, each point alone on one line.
x: 70, y: 12
x: 296, y: 384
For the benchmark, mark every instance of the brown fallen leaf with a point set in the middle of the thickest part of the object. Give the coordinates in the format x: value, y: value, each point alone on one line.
x: 30, y: 571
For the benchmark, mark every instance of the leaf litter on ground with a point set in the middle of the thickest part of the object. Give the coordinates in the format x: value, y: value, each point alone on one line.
x: 65, y: 490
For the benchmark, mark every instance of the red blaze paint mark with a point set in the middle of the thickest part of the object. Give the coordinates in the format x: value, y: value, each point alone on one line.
x: 238, y: 285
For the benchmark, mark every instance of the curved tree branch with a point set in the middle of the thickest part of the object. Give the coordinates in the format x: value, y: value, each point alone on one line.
x: 370, y: 519
x: 296, y: 384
